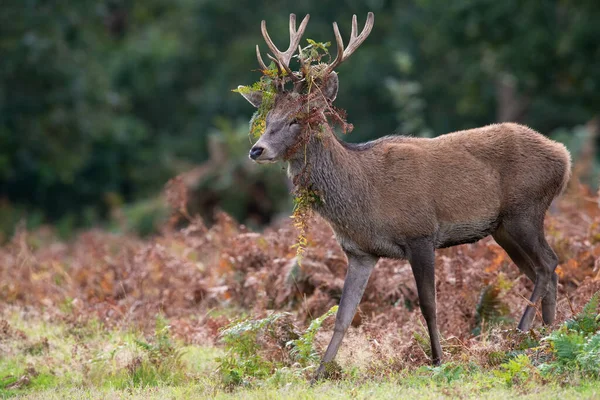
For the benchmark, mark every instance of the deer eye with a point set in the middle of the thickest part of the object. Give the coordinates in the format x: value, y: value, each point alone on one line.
x: 294, y: 122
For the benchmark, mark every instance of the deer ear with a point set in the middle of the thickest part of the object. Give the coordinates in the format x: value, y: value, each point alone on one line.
x: 254, y: 97
x: 330, y: 88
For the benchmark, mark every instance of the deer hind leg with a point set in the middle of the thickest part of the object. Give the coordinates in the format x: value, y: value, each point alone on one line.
x: 422, y: 261
x: 359, y: 270
x: 549, y: 299
x: 526, y: 245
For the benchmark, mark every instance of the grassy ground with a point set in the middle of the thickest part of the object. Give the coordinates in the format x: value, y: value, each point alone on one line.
x: 54, y: 293
x: 42, y: 360
x: 388, y: 389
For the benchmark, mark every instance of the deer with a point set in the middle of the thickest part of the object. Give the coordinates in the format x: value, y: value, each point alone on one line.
x: 404, y: 197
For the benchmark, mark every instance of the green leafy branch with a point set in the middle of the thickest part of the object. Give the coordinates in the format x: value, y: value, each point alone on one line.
x: 267, y: 86
x: 314, y: 52
x: 304, y: 199
x: 303, y: 349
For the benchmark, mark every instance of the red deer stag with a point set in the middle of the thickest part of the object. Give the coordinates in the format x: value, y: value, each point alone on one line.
x: 404, y: 197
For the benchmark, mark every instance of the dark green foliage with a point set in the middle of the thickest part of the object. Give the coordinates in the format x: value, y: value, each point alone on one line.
x: 69, y: 135
x: 576, y: 344
x: 566, y: 345
x: 102, y: 102
x: 589, y: 358
x: 587, y: 321
x: 480, y: 46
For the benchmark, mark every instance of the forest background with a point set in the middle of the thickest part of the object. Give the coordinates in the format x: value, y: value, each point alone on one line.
x: 102, y: 102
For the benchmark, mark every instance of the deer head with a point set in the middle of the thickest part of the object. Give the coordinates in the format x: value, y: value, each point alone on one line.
x: 314, y: 88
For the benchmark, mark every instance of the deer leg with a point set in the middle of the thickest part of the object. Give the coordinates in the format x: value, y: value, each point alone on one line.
x: 515, y: 253
x: 422, y: 261
x: 359, y: 270
x: 525, y: 244
x: 549, y: 300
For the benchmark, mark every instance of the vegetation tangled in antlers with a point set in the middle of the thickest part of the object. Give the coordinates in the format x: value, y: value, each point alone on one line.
x: 316, y: 115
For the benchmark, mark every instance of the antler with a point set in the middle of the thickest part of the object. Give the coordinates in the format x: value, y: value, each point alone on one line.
x: 282, y: 59
x: 355, y: 41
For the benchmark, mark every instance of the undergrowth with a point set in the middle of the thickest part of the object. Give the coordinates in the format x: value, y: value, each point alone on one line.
x: 573, y: 349
x: 85, y: 311
x: 271, y: 352
x: 141, y: 361
x: 491, y: 310
x: 257, y: 348
x: 303, y: 349
x: 575, y: 346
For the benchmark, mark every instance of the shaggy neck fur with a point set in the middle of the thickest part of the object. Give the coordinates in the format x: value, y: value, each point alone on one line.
x: 335, y: 173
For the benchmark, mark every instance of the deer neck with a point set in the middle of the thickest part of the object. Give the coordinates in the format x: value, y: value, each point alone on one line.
x: 315, y: 163
x: 324, y: 165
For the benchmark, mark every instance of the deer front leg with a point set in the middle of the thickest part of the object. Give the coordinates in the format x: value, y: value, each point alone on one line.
x: 359, y: 270
x: 422, y: 261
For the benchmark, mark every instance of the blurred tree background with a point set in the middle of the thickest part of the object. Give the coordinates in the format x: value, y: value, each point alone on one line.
x: 101, y: 102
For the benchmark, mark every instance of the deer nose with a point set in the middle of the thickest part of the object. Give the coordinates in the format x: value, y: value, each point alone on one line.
x: 255, y: 152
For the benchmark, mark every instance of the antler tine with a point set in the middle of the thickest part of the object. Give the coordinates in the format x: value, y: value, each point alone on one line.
x: 295, y: 35
x: 283, y: 58
x: 355, y: 41
x: 354, y: 27
x: 340, y: 49
x: 292, y: 28
x: 274, y: 49
x: 260, y: 60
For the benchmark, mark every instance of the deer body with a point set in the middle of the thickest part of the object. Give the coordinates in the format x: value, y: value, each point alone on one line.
x: 453, y: 189
x: 403, y: 197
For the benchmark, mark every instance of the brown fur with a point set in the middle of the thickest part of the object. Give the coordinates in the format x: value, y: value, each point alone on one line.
x: 456, y: 187
x: 421, y: 187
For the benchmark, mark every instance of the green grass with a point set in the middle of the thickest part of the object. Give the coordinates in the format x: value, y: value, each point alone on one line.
x: 43, y: 359
x: 479, y: 386
x: 75, y: 361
